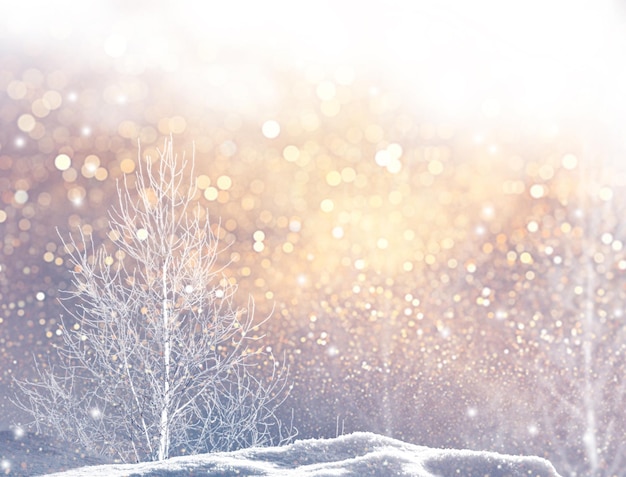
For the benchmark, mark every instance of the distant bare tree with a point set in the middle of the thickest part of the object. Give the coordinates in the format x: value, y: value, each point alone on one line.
x: 580, y: 387
x: 568, y: 343
x: 157, y: 360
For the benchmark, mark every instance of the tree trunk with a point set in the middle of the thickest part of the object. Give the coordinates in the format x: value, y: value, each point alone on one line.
x: 164, y: 425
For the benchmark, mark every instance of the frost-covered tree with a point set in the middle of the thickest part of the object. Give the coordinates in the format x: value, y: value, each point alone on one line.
x: 155, y: 358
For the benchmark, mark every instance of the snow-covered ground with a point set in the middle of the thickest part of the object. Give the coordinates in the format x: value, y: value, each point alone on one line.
x: 359, y: 454
x: 26, y: 454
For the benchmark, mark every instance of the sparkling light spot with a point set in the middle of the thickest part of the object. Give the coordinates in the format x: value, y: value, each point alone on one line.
x: 26, y: 122
x: 546, y: 172
x: 532, y: 226
x: 62, y: 162
x: 487, y: 212
x: 20, y: 197
x: 389, y: 158
x: 224, y: 182
x: 332, y: 351
x: 291, y: 153
x: 40, y: 109
x: 327, y: 205
x: 142, y: 234
x: 203, y: 181
x: 90, y: 166
x: 211, y: 193
x: 501, y: 315
x: 76, y: 195
x: 127, y: 166
x: 295, y: 225
x: 333, y: 178
x: 569, y: 161
x: 101, y: 174
x: 435, y: 167
x: 52, y: 99
x: 382, y: 158
x: 17, y: 89
x: 526, y: 258
x: 348, y: 174
x: 537, y: 191
x: 270, y: 129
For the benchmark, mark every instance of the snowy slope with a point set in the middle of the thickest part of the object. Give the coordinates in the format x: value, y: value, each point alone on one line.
x: 359, y: 454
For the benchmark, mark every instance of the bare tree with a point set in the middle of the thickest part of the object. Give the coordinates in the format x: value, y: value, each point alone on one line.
x: 155, y: 359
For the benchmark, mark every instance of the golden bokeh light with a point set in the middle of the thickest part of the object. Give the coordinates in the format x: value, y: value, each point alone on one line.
x: 62, y: 162
x: 399, y: 186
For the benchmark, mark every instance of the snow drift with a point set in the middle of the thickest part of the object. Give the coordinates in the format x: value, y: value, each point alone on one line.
x: 359, y: 454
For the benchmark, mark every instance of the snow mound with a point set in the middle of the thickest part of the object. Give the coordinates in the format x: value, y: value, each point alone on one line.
x: 360, y: 454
